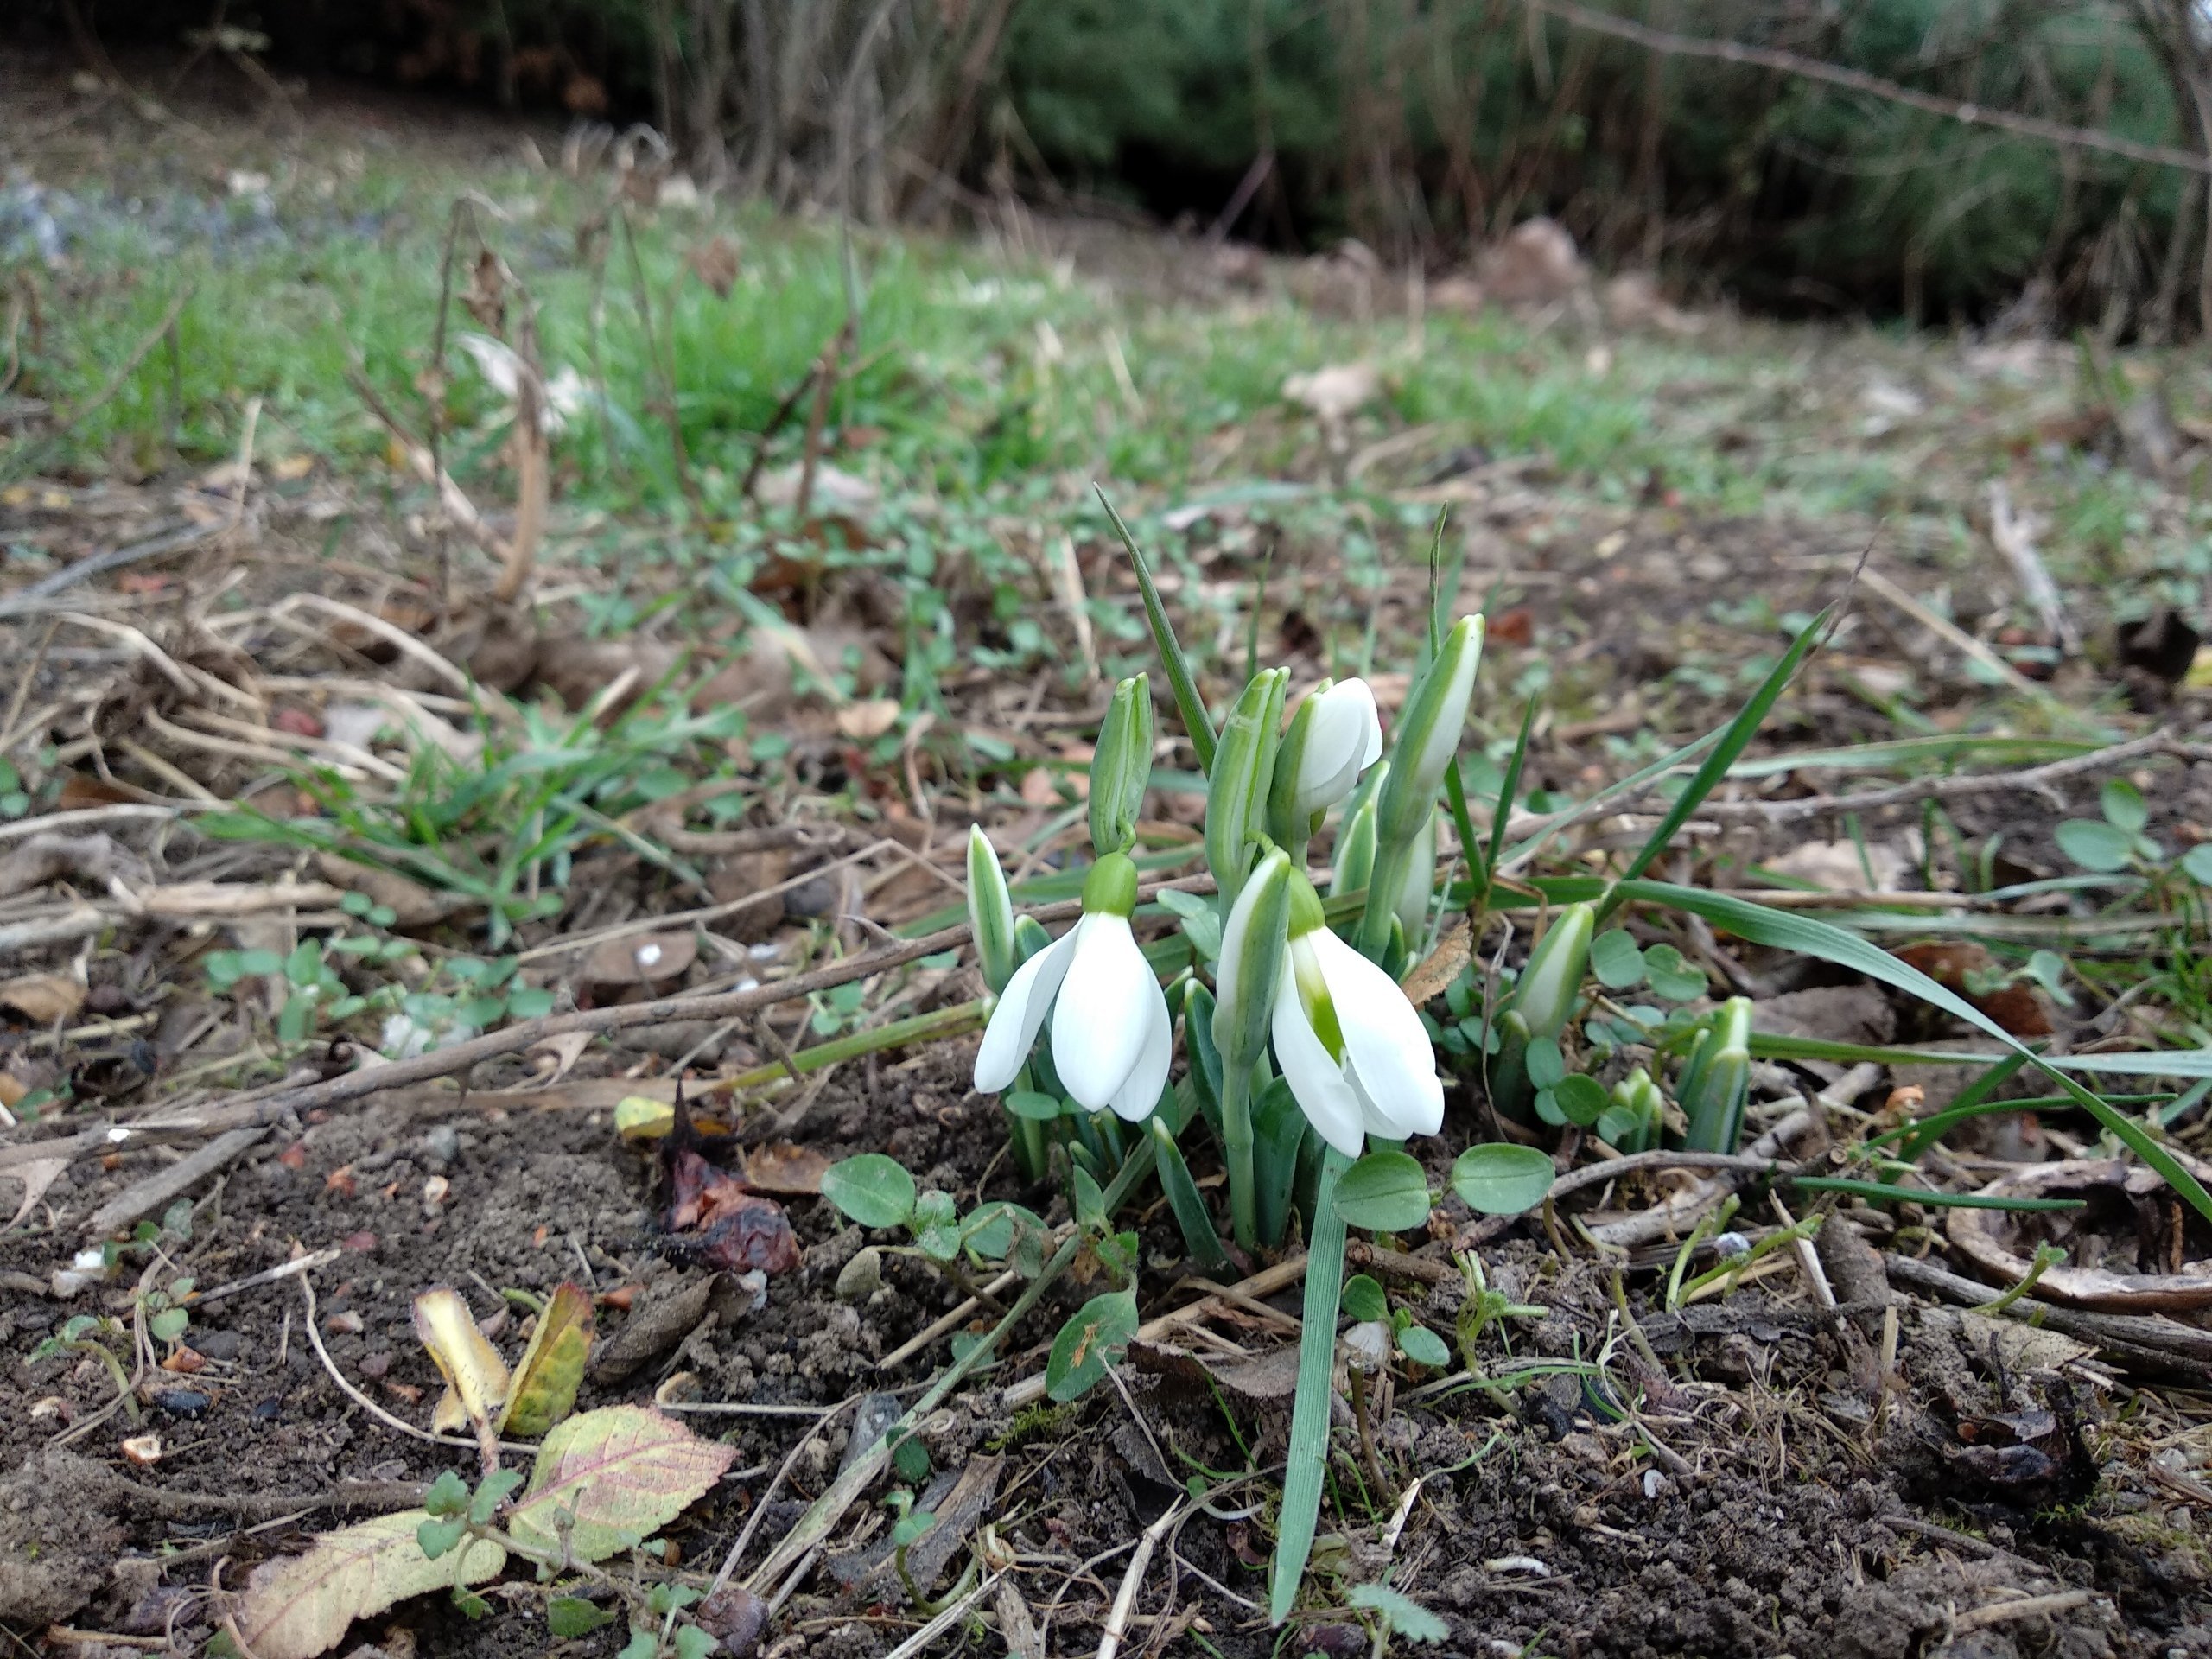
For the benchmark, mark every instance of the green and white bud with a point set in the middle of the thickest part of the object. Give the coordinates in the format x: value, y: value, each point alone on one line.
x: 1429, y: 732
x: 1417, y: 886
x: 1121, y: 767
x: 1252, y: 944
x: 1716, y: 1081
x: 1236, y: 790
x: 1545, y: 994
x: 1333, y: 737
x: 1352, y: 862
x: 990, y: 912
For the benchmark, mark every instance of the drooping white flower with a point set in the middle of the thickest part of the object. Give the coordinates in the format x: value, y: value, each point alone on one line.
x: 1350, y: 1044
x: 1112, y: 1039
x: 1345, y: 739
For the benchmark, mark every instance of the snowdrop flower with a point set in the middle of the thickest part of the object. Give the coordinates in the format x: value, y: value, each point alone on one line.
x: 1111, y: 1036
x: 1342, y: 737
x: 1350, y: 1044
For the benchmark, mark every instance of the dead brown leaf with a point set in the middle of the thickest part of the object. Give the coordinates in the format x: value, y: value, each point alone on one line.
x: 36, y: 1176
x: 863, y: 722
x: 783, y: 1168
x: 43, y: 999
x: 1440, y: 967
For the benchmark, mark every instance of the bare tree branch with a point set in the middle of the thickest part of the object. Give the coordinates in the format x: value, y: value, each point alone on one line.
x: 1789, y: 63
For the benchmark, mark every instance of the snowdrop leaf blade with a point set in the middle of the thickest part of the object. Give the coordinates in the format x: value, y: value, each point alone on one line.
x: 1196, y: 722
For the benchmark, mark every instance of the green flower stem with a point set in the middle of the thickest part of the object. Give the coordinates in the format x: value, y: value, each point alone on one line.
x: 1309, y: 1411
x: 1237, y: 1144
x: 1392, y: 860
x: 933, y: 1027
x: 1026, y: 1134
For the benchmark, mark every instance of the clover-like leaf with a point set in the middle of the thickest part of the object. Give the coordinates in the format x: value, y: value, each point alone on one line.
x: 874, y: 1189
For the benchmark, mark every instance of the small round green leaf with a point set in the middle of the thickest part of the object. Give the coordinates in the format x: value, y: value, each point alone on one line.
x: 1546, y: 1065
x: 1384, y: 1192
x: 1671, y: 975
x: 872, y: 1189
x: 168, y: 1324
x: 1579, y: 1099
x: 2093, y: 845
x: 1424, y: 1347
x: 1363, y: 1299
x: 1499, y: 1178
x: 569, y: 1616
x: 1094, y: 1339
x: 2123, y: 806
x: 2197, y: 864
x: 1616, y: 959
x: 1031, y: 1104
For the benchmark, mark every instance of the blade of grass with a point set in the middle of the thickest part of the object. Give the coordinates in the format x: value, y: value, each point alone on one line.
x: 2186, y: 1063
x: 1196, y: 722
x: 1802, y: 936
x: 1734, y: 739
x: 1921, y: 1195
x: 1508, y: 791
x: 1915, y: 1138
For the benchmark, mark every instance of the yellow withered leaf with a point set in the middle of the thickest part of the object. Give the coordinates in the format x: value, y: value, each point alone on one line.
x: 638, y: 1118
x: 545, y: 1380
x: 476, y: 1377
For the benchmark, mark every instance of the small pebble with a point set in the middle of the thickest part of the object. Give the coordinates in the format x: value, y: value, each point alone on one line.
x: 348, y: 1324
x: 442, y: 1145
x: 268, y: 1411
x: 182, y: 1403
x: 862, y: 1276
x: 223, y: 1345
x: 377, y: 1365
x: 143, y: 1451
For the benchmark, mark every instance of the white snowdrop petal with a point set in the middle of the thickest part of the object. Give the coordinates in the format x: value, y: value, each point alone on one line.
x: 1316, y: 1080
x: 1139, y: 1092
x: 1020, y: 1014
x: 1385, y: 1045
x: 1099, y: 1030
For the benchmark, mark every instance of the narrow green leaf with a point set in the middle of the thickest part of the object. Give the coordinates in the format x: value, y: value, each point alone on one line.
x: 1919, y: 1195
x: 1196, y: 722
x: 1733, y: 740
x: 1184, y: 1198
x: 1806, y: 936
x: 1309, y: 1411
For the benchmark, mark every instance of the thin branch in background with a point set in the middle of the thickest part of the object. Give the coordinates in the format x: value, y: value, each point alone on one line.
x: 1856, y: 80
